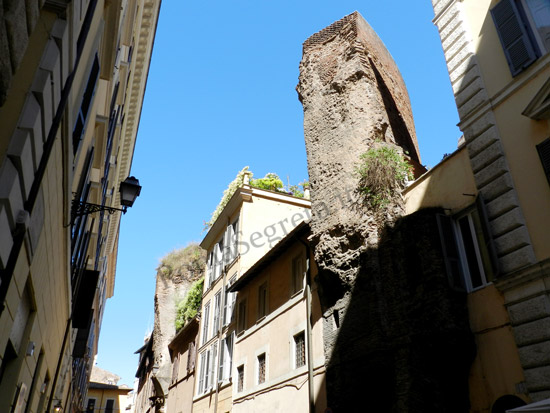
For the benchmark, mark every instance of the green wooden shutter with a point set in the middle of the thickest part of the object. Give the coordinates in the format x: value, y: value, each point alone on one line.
x: 513, y: 35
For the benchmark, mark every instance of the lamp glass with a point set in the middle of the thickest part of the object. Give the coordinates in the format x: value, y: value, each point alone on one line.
x: 129, y: 191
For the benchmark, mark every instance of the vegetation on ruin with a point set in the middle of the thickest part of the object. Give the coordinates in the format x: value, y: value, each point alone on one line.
x: 188, y: 262
x: 382, y: 172
x: 188, y: 308
x: 270, y: 182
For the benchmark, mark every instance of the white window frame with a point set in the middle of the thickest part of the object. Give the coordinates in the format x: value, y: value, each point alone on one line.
x: 229, y: 302
x: 217, y: 309
x: 205, y: 319
x: 226, y: 358
x: 463, y: 254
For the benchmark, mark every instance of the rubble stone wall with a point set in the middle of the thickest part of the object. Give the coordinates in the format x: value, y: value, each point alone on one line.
x: 393, y: 329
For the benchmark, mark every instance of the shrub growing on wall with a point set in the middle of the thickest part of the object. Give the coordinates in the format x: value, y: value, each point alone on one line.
x: 188, y: 308
x: 382, y: 172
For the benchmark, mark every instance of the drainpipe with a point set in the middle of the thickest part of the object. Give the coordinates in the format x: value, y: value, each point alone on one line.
x: 309, y: 333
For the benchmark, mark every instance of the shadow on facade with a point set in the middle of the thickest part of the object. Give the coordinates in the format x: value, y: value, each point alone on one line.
x: 404, y: 343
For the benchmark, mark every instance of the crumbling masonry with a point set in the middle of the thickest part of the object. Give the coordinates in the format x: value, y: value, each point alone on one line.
x: 396, y: 336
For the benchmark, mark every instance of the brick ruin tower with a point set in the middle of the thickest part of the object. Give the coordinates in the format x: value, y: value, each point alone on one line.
x: 389, y: 317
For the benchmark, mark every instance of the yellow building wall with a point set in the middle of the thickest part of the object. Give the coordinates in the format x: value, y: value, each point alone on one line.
x: 285, y: 388
x: 101, y: 396
x: 449, y: 184
x: 519, y: 134
x: 496, y: 369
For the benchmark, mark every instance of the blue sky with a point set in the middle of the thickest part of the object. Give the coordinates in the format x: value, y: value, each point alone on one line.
x: 220, y: 96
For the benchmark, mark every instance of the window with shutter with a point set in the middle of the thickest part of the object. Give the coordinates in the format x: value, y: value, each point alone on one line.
x: 466, y: 250
x: 191, y: 357
x: 297, y: 275
x: 543, y: 149
x: 262, y: 300
x: 109, y: 406
x: 241, y: 322
x: 217, y: 310
x: 205, y: 317
x: 515, y: 34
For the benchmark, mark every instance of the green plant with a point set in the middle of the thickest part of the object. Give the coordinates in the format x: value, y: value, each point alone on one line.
x: 188, y: 308
x: 270, y: 182
x: 296, y: 191
x: 227, y: 194
x: 188, y: 261
x: 382, y: 171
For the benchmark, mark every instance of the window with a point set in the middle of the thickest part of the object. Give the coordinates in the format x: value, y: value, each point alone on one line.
x: 467, y: 249
x: 215, y: 263
x: 226, y: 358
x: 543, y: 149
x: 240, y: 378
x: 232, y: 235
x: 523, y: 27
x: 206, y: 376
x: 217, y: 309
x: 191, y: 357
x: 299, y: 350
x: 229, y: 302
x: 205, y: 317
x: 262, y: 300
x: 261, y: 368
x: 219, y: 260
x: 241, y: 322
x: 82, y: 115
x: 109, y: 406
x: 297, y: 274
x: 209, y: 269
x: 203, y: 379
x: 175, y: 368
x: 91, y: 406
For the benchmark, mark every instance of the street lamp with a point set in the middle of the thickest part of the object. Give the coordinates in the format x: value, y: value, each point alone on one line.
x: 129, y: 190
x: 58, y: 408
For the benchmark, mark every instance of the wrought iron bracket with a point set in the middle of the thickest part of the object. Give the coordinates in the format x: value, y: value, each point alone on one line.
x: 80, y: 209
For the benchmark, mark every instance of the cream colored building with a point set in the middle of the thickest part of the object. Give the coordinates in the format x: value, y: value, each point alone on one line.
x: 73, y: 76
x: 253, y: 222
x: 278, y: 357
x: 496, y: 194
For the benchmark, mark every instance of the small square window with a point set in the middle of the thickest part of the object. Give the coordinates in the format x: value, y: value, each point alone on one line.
x: 240, y: 378
x: 300, y: 349
x: 261, y: 368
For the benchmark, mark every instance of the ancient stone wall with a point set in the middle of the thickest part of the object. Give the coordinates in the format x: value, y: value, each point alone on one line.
x: 175, y: 275
x: 393, y: 329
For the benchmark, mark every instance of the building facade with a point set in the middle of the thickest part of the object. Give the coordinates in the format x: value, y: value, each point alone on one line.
x: 278, y: 356
x: 105, y: 395
x: 72, y: 81
x: 183, y: 359
x: 252, y: 222
x: 495, y: 191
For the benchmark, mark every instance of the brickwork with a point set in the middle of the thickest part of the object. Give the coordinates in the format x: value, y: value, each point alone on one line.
x: 389, y: 315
